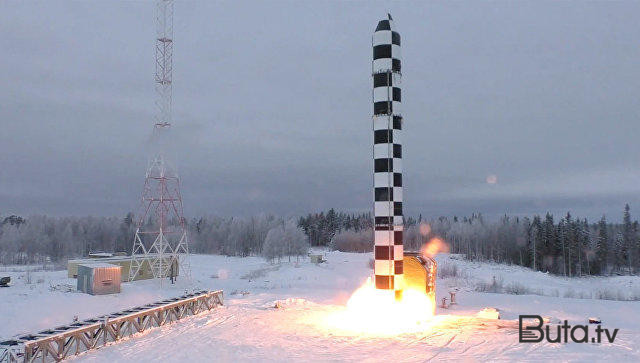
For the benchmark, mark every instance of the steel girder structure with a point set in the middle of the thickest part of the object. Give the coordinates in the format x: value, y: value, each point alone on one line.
x: 61, y: 342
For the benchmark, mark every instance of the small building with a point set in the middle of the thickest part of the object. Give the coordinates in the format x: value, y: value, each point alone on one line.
x: 99, y: 278
x: 144, y: 273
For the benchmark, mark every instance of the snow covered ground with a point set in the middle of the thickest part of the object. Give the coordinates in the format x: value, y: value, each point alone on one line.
x: 249, y: 328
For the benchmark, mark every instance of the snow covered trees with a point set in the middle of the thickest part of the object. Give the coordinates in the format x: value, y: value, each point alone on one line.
x: 230, y: 236
x: 285, y: 239
x: 274, y: 244
x: 568, y: 246
x: 38, y: 239
x: 352, y: 241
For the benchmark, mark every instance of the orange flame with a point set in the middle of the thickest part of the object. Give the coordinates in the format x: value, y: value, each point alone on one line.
x: 433, y: 247
x: 372, y: 311
x: 376, y: 312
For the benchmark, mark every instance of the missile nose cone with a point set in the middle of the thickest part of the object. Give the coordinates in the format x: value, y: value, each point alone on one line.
x: 386, y: 24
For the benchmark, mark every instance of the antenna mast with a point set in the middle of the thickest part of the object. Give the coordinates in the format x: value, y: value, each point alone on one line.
x: 161, y: 244
x: 164, y: 62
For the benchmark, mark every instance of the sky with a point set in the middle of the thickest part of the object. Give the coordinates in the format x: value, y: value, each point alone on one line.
x: 509, y: 107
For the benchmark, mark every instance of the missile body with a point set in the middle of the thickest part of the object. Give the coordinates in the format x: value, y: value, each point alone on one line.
x: 387, y: 158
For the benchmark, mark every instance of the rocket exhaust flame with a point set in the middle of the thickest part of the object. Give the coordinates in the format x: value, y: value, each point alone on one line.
x: 379, y: 312
x: 376, y: 312
x: 433, y: 247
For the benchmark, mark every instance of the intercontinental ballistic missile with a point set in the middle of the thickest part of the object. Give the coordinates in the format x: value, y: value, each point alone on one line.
x: 387, y: 158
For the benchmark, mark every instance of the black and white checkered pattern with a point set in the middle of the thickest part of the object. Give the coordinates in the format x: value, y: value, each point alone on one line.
x: 387, y: 157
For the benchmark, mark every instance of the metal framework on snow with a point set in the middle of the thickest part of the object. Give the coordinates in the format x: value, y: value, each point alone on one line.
x: 56, y: 344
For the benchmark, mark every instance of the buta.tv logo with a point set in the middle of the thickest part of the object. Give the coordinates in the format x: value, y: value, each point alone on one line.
x: 533, y: 330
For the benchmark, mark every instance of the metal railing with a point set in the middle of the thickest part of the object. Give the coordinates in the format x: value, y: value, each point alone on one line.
x: 61, y: 342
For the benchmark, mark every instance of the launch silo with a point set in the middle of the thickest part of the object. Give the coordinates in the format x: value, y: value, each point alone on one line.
x: 387, y: 158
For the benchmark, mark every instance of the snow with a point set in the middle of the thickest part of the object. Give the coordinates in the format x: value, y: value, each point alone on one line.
x: 251, y: 327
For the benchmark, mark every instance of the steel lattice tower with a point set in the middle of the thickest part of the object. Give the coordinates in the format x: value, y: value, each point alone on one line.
x: 161, y: 243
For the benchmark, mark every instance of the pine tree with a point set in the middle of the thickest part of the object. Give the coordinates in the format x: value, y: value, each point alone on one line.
x: 537, y: 238
x: 548, y: 242
x: 588, y: 245
x: 633, y: 247
x: 527, y: 229
x: 628, y: 237
x: 618, y: 252
x: 637, y: 245
x: 562, y: 237
x: 572, y: 244
x: 582, y: 243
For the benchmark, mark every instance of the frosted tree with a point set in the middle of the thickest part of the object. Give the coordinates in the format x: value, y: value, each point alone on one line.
x: 274, y: 244
x: 285, y: 239
x: 352, y: 241
x: 295, y: 240
x: 10, y: 245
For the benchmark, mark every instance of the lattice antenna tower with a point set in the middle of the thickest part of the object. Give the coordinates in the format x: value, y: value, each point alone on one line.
x: 161, y: 242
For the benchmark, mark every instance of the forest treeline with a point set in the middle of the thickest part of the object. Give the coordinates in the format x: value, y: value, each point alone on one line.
x: 41, y: 239
x: 567, y: 246
x: 564, y: 246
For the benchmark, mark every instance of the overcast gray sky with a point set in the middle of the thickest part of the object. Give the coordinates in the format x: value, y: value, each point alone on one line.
x: 272, y: 106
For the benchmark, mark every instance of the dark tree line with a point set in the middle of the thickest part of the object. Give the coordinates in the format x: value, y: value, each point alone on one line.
x: 568, y: 246
x: 322, y: 227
